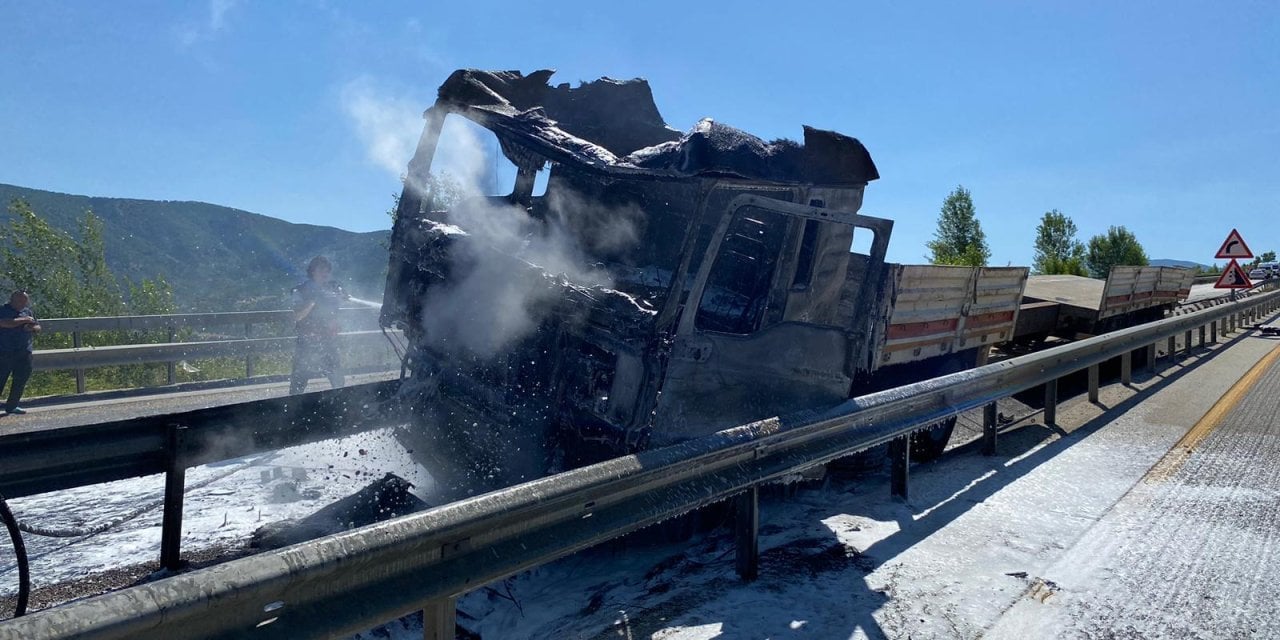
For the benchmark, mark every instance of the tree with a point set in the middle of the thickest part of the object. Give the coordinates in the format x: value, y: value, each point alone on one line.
x: 46, y: 262
x: 98, y: 288
x: 959, y: 239
x: 69, y: 278
x: 1117, y: 247
x: 1057, y: 250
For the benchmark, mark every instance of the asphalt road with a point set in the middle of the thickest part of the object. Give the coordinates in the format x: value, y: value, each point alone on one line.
x: 1191, y: 551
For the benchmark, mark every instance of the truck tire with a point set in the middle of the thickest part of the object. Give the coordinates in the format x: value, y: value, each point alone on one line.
x: 928, y: 444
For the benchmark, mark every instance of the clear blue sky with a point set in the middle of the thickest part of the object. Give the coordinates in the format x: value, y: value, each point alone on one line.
x: 1160, y: 116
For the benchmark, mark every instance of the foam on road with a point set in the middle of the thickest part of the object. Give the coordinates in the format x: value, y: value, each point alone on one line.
x: 1191, y: 551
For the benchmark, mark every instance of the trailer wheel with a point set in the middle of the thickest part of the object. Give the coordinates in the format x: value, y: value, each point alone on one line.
x: 928, y: 444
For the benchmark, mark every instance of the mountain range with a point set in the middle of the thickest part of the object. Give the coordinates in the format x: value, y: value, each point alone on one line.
x: 217, y: 258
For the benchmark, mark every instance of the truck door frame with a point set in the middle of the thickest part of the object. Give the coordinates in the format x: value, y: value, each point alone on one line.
x: 880, y: 228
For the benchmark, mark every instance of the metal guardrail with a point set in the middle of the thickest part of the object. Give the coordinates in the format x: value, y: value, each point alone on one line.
x: 350, y: 582
x: 81, y: 357
x: 88, y: 357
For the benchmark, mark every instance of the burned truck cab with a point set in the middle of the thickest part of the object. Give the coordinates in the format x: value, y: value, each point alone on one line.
x: 662, y: 287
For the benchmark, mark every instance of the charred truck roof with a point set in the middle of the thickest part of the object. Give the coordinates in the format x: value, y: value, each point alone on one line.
x: 673, y: 240
x: 614, y: 126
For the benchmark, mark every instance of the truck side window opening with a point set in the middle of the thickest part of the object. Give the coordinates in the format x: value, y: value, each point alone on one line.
x: 540, y: 182
x: 808, y: 251
x: 862, y: 240
x: 738, y: 286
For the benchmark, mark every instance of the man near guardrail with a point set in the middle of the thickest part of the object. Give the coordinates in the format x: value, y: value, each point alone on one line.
x: 315, y: 309
x: 18, y: 327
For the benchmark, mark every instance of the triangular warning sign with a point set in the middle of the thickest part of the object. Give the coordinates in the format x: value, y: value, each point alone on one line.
x: 1234, y: 247
x: 1233, y: 277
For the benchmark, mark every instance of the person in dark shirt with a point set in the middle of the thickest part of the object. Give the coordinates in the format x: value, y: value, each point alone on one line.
x: 18, y: 327
x: 315, y: 310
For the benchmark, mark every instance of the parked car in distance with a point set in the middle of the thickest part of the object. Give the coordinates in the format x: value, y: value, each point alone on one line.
x: 1259, y: 274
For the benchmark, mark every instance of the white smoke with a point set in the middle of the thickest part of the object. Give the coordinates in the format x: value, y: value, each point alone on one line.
x: 508, y: 272
x: 388, y: 126
x: 511, y: 270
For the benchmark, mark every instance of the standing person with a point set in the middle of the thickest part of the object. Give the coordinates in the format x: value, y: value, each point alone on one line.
x: 18, y: 327
x: 315, y: 310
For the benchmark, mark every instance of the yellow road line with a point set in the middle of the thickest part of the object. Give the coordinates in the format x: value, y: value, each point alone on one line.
x: 1178, y: 455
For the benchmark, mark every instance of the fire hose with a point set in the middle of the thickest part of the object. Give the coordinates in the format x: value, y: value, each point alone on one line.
x: 19, y: 550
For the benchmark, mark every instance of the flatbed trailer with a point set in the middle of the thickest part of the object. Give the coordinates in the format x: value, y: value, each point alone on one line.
x: 1072, y: 307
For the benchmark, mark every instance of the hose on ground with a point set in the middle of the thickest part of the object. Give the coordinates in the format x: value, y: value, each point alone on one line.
x: 48, y: 532
x: 19, y: 550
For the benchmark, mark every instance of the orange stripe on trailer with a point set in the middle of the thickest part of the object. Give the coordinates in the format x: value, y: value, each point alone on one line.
x: 917, y: 329
x: 989, y: 319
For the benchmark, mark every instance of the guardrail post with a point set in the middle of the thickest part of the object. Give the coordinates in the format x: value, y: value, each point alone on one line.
x: 1051, y: 402
x: 1213, y: 332
x: 1151, y: 358
x: 1186, y: 342
x: 1126, y: 367
x: 989, y: 419
x: 900, y: 455
x: 1093, y: 382
x: 172, y: 366
x: 248, y: 359
x: 75, y: 342
x: 1202, y: 343
x: 746, y: 524
x: 175, y: 479
x: 440, y: 619
x: 1173, y: 348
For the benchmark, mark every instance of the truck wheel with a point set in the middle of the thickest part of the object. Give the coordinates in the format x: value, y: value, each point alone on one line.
x: 928, y: 444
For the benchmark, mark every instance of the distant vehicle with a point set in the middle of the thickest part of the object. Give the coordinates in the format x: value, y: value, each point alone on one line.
x: 1259, y: 274
x: 1272, y: 268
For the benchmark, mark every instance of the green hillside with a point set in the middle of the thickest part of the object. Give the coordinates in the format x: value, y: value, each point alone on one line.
x: 217, y: 258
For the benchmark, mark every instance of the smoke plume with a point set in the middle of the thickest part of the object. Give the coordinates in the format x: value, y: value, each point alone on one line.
x: 510, y: 270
